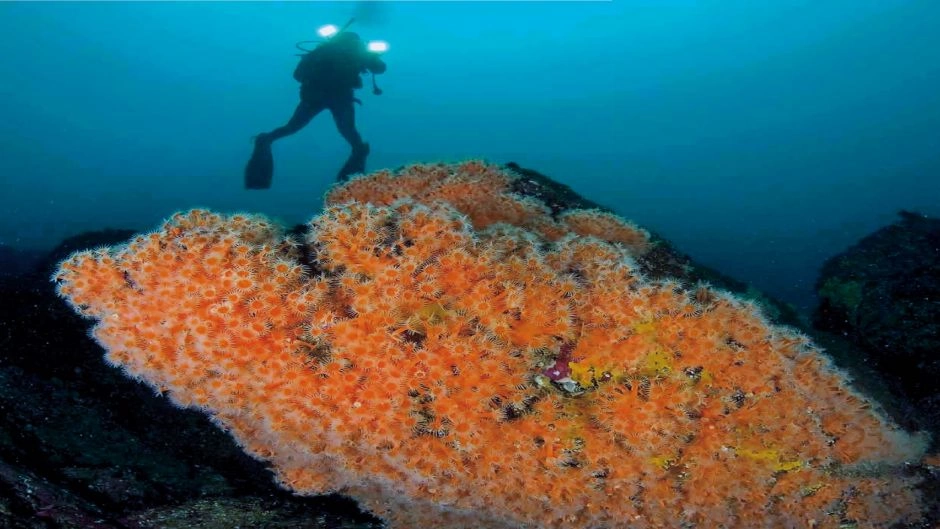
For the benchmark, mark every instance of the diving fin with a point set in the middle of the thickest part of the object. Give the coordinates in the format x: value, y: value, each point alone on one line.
x: 355, y: 164
x: 260, y: 168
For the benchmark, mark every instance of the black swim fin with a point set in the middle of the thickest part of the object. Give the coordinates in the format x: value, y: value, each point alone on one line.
x: 355, y: 164
x: 260, y: 168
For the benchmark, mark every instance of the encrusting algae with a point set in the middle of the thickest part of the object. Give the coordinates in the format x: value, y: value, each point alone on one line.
x: 451, y: 355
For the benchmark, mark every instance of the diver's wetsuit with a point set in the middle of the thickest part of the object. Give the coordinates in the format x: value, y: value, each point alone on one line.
x: 331, y: 88
x: 344, y: 115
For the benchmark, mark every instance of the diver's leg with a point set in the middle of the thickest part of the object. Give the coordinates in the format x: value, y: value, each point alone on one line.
x: 306, y: 110
x: 260, y: 168
x: 344, y: 115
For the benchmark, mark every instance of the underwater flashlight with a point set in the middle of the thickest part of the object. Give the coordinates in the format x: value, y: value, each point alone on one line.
x: 378, y: 46
x: 327, y: 31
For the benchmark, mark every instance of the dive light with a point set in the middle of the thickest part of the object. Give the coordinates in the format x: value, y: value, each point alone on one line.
x: 327, y: 31
x: 378, y: 46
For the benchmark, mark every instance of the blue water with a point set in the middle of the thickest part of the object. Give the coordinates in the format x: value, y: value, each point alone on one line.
x: 760, y: 137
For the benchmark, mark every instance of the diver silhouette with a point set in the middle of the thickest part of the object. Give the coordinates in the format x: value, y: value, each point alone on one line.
x: 328, y: 75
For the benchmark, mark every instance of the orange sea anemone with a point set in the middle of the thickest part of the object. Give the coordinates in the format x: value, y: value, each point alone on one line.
x: 401, y: 360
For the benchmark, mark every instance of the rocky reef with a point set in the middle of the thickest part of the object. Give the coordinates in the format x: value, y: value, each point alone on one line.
x: 83, y: 446
x: 883, y: 296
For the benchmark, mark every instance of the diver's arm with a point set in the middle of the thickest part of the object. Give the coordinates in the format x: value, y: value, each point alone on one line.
x: 374, y: 64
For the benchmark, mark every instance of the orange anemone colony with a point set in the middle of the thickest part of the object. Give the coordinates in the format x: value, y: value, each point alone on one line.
x: 453, y: 355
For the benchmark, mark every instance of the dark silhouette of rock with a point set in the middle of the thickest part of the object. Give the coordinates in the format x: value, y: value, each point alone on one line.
x: 883, y: 295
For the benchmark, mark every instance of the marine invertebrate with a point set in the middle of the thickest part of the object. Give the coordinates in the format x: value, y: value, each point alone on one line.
x: 406, y: 367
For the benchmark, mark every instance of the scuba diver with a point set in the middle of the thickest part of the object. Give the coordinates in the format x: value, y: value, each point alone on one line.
x: 328, y: 75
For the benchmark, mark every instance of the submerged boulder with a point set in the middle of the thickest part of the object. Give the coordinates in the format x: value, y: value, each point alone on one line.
x: 883, y: 294
x: 84, y: 446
